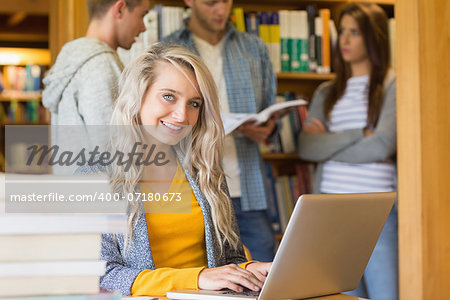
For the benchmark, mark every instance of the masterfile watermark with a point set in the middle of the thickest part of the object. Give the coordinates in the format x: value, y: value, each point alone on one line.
x: 118, y: 155
x: 63, y: 149
x: 52, y: 156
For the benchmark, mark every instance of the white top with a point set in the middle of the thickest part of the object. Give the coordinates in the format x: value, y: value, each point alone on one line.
x: 212, y: 57
x: 350, y: 112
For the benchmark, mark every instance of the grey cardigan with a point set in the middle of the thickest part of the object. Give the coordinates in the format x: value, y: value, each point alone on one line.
x: 122, y: 268
x: 351, y: 145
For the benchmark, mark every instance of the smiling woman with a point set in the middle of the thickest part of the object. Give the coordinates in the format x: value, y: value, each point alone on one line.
x: 167, y: 98
x: 172, y: 103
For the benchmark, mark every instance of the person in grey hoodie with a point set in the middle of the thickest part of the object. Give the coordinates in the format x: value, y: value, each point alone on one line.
x: 80, y: 87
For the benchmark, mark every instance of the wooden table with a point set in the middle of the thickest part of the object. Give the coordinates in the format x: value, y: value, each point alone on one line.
x: 330, y: 297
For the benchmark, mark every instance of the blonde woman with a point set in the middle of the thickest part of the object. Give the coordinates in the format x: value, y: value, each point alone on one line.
x: 168, y: 109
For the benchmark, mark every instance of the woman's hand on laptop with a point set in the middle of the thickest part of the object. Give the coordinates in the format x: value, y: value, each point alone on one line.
x: 230, y: 276
x: 259, y: 269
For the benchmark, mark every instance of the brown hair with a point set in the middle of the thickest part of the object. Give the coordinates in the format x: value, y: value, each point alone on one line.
x: 373, y: 24
x: 98, y: 8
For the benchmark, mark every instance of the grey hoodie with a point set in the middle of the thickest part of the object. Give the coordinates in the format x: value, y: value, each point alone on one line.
x: 80, y: 88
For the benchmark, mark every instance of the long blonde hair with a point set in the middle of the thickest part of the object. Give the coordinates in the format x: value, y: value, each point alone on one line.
x: 207, y: 135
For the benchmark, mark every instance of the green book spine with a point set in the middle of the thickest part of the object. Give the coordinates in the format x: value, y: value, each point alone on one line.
x: 285, y: 57
x: 304, y: 61
x: 295, y: 55
x: 33, y: 111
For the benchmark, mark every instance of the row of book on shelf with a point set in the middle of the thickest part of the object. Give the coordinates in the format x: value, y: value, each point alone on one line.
x: 297, y: 40
x: 53, y: 256
x: 20, y: 93
x: 23, y: 112
x: 283, y: 192
x: 287, y: 34
x: 21, y: 78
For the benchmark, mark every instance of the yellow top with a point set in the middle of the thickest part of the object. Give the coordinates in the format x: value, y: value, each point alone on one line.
x: 178, y: 261
x: 177, y: 242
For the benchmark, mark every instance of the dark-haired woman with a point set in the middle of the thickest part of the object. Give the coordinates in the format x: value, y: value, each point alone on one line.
x: 351, y: 132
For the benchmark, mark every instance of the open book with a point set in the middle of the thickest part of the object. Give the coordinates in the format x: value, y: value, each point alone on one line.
x: 231, y: 121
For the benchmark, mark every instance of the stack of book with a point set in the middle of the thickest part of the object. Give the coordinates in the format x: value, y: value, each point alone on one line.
x: 103, y: 295
x: 53, y: 255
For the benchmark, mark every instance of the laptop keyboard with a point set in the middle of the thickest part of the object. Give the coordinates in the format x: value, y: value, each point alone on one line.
x: 243, y: 293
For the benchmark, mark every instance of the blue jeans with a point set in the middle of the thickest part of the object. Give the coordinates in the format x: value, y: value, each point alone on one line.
x: 380, y: 280
x: 256, y: 232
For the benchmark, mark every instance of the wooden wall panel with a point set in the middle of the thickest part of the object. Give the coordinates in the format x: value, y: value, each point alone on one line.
x: 69, y: 20
x: 35, y: 7
x: 423, y: 44
x: 409, y: 151
x: 435, y: 105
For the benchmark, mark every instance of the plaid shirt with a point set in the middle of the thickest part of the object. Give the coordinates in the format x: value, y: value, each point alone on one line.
x: 251, y: 87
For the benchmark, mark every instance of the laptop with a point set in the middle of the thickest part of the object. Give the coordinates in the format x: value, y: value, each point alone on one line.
x: 325, y: 248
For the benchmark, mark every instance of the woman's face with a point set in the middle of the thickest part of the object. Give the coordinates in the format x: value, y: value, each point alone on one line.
x: 171, y: 105
x: 351, y: 41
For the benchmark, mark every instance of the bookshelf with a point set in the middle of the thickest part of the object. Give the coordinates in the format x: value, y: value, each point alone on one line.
x: 303, y: 84
x: 21, y: 72
x: 280, y: 4
x: 286, y: 171
x: 304, y: 76
x: 21, y: 96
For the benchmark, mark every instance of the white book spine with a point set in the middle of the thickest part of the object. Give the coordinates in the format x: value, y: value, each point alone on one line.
x: 52, y: 268
x: 284, y: 23
x: 293, y: 30
x: 333, y: 34
x: 302, y: 24
x: 32, y: 224
x: 318, y: 26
